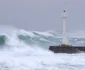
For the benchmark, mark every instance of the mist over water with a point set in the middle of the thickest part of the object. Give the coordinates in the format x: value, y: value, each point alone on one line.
x: 28, y: 50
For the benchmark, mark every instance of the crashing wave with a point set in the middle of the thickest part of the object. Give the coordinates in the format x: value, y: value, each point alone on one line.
x: 2, y: 40
x: 14, y: 37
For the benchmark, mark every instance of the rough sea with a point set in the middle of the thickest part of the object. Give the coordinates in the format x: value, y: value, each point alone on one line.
x: 28, y: 50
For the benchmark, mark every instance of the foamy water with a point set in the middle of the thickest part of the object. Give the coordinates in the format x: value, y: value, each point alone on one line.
x: 47, y: 61
x: 28, y: 50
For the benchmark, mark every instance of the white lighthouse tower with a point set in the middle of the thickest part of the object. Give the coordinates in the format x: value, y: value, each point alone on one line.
x: 65, y: 38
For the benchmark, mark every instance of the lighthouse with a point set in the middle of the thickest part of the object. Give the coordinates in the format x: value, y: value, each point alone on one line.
x: 65, y: 46
x: 65, y: 40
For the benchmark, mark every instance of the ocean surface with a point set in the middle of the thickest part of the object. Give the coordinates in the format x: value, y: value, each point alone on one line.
x: 28, y: 50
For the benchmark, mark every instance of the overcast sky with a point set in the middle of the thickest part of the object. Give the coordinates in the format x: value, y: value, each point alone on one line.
x: 42, y: 15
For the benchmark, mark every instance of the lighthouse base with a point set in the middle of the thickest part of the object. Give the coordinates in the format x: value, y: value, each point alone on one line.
x: 67, y: 49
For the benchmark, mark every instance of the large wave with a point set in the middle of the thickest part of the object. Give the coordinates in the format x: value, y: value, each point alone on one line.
x: 2, y: 40
x: 28, y: 50
x: 42, y: 39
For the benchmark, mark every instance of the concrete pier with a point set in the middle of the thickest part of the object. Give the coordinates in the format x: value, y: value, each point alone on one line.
x: 67, y: 49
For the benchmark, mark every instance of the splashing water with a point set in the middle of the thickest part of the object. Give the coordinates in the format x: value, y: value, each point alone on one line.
x: 28, y: 50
